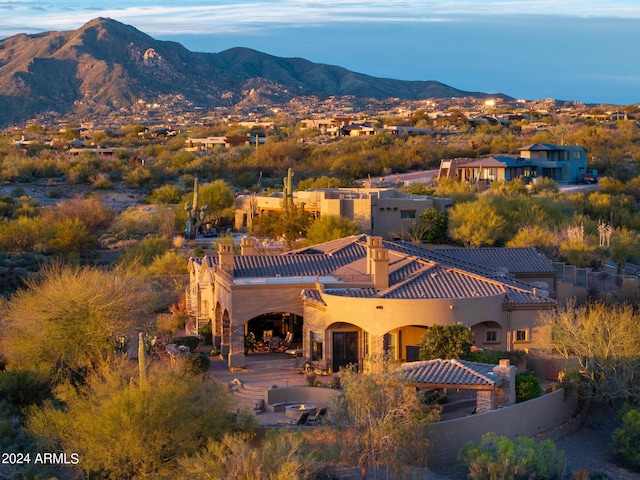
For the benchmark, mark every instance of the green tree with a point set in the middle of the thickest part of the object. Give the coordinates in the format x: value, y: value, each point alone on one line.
x: 289, y: 224
x: 446, y: 342
x: 331, y: 227
x: 219, y: 196
x: 431, y: 227
x: 67, y: 321
x: 381, y: 417
x: 624, y: 245
x: 166, y: 194
x: 476, y: 224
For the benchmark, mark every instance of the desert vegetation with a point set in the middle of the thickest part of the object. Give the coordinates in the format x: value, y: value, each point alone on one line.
x: 69, y: 310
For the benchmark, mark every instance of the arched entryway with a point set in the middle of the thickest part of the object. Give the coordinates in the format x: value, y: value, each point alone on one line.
x: 403, y: 344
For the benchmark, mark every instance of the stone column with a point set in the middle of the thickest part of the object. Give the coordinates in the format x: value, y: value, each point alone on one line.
x: 376, y: 349
x: 485, y: 401
x: 236, y: 353
x: 506, y: 393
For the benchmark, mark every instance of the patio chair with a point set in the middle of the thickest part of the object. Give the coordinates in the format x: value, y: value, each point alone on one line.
x: 286, y: 343
x: 318, y: 417
x: 301, y: 420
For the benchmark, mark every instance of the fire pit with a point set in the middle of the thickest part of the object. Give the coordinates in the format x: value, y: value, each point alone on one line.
x: 293, y: 411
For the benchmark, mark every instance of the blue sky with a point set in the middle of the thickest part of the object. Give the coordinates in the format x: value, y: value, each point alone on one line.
x: 565, y: 49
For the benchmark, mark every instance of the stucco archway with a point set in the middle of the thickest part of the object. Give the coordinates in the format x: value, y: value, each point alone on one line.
x: 346, y: 344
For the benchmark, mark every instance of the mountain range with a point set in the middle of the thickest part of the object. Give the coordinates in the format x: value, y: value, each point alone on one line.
x: 106, y: 65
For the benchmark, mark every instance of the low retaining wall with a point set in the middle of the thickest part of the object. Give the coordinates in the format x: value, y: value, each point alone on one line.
x: 279, y: 396
x: 527, y: 419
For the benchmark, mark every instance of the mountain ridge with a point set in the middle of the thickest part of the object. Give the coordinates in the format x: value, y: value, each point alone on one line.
x: 106, y: 65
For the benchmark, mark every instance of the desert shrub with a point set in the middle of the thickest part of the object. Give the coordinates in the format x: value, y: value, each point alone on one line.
x: 500, y: 458
x: 21, y: 388
x: 196, y: 364
x: 281, y: 455
x: 171, y: 322
x: 494, y: 356
x: 189, y: 341
x: 144, y: 252
x: 626, y: 440
x: 206, y: 333
x: 70, y: 236
x: 527, y: 387
x: 136, y: 222
x: 20, y: 235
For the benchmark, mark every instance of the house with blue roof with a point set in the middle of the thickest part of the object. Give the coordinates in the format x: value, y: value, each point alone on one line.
x: 563, y: 164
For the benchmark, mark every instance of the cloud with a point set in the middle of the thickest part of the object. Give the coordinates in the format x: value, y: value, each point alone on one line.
x: 199, y: 17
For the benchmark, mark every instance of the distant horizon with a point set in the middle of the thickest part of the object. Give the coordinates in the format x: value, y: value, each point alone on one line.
x: 573, y: 50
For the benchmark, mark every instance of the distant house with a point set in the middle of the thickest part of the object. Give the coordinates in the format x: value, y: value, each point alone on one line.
x: 378, y: 211
x: 564, y: 164
x: 198, y: 144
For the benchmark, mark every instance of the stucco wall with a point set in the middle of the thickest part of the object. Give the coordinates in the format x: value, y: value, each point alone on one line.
x: 310, y: 395
x: 378, y: 316
x: 526, y: 419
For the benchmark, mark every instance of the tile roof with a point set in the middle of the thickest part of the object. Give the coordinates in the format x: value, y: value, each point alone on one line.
x: 415, y: 272
x: 457, y: 373
x: 517, y: 260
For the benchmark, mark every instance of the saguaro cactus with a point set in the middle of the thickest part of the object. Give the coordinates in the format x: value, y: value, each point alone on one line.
x: 287, y: 191
x: 195, y: 215
x: 142, y: 359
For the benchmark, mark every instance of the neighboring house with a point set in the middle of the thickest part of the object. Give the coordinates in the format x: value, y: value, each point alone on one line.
x: 563, y: 164
x: 378, y: 211
x: 197, y: 144
x: 361, y: 295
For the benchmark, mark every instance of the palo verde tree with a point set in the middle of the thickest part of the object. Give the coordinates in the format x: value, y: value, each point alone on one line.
x: 67, y: 322
x: 382, y: 418
x: 123, y: 428
x: 605, y: 341
x: 331, y: 227
x: 476, y: 223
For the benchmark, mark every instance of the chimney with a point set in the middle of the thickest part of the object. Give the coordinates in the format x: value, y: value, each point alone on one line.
x: 247, y: 246
x: 380, y: 268
x: 225, y: 257
x: 373, y: 243
x: 506, y: 393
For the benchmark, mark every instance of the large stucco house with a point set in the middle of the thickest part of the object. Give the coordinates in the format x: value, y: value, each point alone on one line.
x: 361, y: 295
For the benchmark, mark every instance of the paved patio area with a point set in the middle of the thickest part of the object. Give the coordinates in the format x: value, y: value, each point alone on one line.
x: 264, y: 370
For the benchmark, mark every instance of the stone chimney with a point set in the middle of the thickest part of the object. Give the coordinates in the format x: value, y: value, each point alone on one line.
x: 380, y: 268
x: 247, y: 246
x: 373, y: 243
x: 225, y: 257
x: 506, y: 393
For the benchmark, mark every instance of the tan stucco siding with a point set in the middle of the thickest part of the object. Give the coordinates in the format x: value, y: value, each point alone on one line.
x: 379, y: 316
x: 249, y: 301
